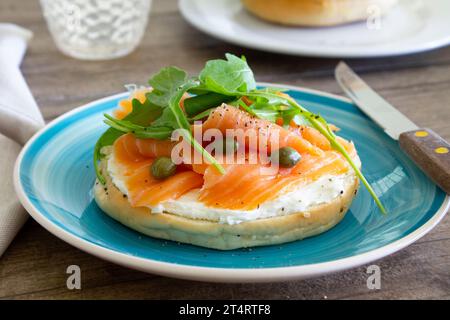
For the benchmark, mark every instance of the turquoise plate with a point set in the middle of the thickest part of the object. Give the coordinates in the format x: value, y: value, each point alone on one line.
x: 54, y: 178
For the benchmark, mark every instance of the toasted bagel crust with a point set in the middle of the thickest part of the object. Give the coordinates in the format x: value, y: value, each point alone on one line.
x: 315, y: 12
x: 215, y: 235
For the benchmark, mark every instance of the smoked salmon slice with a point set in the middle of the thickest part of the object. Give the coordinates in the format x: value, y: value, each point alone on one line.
x: 244, y: 187
x: 153, y: 148
x: 228, y: 117
x: 317, y: 139
x: 313, y: 136
x: 135, y: 156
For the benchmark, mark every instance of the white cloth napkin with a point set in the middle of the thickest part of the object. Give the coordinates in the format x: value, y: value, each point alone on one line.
x: 20, y: 118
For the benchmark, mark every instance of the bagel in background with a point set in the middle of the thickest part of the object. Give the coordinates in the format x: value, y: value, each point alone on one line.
x: 315, y: 13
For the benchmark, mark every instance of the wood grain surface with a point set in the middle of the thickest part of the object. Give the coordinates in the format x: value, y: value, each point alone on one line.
x: 35, y: 264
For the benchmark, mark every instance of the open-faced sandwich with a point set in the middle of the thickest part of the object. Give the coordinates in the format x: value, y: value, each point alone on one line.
x: 216, y: 162
x: 317, y: 13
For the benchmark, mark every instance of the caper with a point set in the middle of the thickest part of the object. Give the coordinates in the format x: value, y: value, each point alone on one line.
x: 162, y: 168
x: 286, y: 157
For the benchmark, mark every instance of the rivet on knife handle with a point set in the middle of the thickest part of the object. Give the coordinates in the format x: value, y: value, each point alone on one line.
x: 431, y: 153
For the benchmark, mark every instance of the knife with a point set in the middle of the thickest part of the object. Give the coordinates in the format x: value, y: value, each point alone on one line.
x: 426, y: 148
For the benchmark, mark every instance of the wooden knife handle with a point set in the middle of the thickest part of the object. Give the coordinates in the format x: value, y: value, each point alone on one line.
x: 431, y: 153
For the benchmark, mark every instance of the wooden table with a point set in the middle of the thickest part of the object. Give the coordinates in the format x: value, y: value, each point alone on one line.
x: 35, y: 264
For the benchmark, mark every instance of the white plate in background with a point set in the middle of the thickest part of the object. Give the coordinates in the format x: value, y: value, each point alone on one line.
x: 413, y: 26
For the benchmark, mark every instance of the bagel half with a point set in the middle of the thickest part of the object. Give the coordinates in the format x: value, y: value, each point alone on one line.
x: 315, y: 13
x: 216, y: 235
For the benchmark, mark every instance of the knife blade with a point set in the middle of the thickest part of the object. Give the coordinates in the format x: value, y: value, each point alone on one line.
x: 426, y: 148
x: 371, y: 103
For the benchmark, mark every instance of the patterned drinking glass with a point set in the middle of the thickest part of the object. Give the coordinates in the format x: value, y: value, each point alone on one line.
x: 96, y: 29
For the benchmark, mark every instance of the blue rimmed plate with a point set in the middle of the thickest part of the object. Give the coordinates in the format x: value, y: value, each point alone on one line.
x: 54, y: 177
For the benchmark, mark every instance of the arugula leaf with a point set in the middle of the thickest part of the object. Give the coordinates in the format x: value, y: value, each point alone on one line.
x: 227, y: 76
x: 142, y: 114
x: 180, y: 121
x: 270, y: 115
x: 269, y: 96
x: 287, y: 116
x: 273, y: 108
x: 106, y: 139
x: 178, y: 117
x: 159, y: 133
x: 167, y: 119
x: 201, y: 115
x: 267, y: 114
x: 172, y: 115
x: 199, y: 103
x: 164, y: 84
x: 122, y: 125
x: 150, y: 132
x: 244, y: 106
